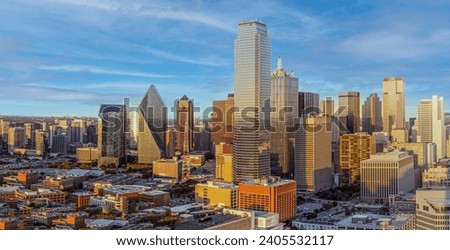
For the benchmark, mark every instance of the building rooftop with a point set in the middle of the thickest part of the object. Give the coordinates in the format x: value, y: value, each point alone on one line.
x: 272, y: 181
x: 388, y: 157
x: 215, y: 220
x: 124, y: 189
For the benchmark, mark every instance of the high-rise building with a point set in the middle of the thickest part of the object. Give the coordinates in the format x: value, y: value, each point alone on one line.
x: 371, y: 114
x: 152, y: 126
x: 269, y: 194
x: 29, y: 134
x: 354, y: 148
x: 224, y: 162
x: 60, y: 144
x: 185, y: 125
x: 433, y: 208
x: 91, y: 134
x: 222, y: 120
x: 252, y: 53
x: 16, y: 138
x: 393, y: 104
x: 77, y: 130
x: 386, y: 174
x: 284, y: 99
x: 308, y: 104
x: 430, y: 120
x: 4, y: 130
x: 327, y: 106
x: 170, y: 142
x: 40, y: 142
x: 111, y: 134
x: 202, y: 137
x: 349, y: 117
x: 313, y: 166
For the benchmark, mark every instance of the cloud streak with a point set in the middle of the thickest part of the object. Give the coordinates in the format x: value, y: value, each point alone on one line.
x: 208, y: 61
x: 102, y: 71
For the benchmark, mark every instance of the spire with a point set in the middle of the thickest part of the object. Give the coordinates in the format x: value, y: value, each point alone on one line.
x: 280, y: 63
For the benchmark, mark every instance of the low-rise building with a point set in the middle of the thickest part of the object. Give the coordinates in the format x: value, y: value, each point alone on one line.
x: 221, y: 194
x: 160, y: 198
x: 167, y: 168
x: 377, y: 222
x: 30, y: 195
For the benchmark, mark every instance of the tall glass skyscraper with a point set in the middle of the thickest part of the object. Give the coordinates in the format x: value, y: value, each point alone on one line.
x: 252, y: 53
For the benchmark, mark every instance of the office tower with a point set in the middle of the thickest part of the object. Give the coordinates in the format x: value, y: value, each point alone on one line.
x: 313, y: 167
x: 16, y: 138
x: 354, y: 148
x: 40, y: 142
x: 202, y: 137
x: 91, y: 134
x: 77, y: 129
x: 224, y: 162
x: 269, y: 194
x: 432, y: 208
x: 111, y: 134
x: 430, y: 120
x: 284, y: 101
x: 327, y: 107
x: 222, y: 120
x: 170, y: 142
x: 308, y: 104
x: 252, y: 52
x: 220, y: 194
x: 393, y: 104
x: 185, y: 125
x: 418, y: 149
x: 371, y: 114
x: 152, y: 127
x: 349, y: 117
x: 4, y: 130
x: 29, y: 134
x: 60, y: 143
x: 386, y: 174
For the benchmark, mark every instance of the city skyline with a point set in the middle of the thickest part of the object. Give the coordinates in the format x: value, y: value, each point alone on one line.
x: 67, y: 57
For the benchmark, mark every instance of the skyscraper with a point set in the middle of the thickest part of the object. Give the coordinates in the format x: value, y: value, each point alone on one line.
x: 393, y: 104
x: 327, y: 106
x: 313, y: 166
x: 111, y: 134
x: 16, y: 138
x: 77, y: 130
x: 40, y: 142
x: 152, y: 125
x: 222, y: 120
x: 252, y: 52
x: 354, y: 148
x: 185, y: 124
x: 283, y: 97
x: 308, y: 103
x: 349, y: 102
x: 430, y: 120
x: 371, y: 114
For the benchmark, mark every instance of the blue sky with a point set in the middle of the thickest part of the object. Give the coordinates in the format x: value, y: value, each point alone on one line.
x: 66, y: 57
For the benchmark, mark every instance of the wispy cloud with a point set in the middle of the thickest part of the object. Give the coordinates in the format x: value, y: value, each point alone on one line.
x: 208, y: 61
x: 104, y: 71
x: 158, y: 10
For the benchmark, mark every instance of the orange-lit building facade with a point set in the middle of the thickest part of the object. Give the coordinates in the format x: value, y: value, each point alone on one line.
x: 222, y: 120
x: 270, y: 195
